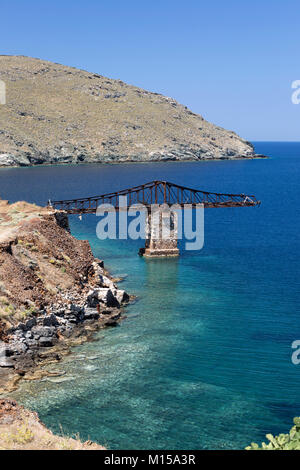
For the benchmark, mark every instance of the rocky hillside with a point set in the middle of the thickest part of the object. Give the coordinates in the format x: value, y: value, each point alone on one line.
x: 53, y: 292
x: 58, y: 114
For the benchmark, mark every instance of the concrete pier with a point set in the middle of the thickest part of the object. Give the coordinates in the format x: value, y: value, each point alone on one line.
x: 161, y: 233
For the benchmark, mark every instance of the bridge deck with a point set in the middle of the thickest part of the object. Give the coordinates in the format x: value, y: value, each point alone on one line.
x: 156, y: 192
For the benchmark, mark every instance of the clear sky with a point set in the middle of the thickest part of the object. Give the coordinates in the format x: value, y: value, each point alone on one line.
x: 233, y: 61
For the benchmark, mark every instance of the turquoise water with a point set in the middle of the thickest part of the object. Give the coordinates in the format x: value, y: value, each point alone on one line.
x: 203, y: 359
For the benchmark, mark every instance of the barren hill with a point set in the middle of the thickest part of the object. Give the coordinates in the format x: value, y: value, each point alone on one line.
x: 59, y: 114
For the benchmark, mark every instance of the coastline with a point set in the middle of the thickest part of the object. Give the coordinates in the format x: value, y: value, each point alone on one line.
x: 158, y: 315
x: 10, y: 378
x: 41, y: 330
x: 120, y: 161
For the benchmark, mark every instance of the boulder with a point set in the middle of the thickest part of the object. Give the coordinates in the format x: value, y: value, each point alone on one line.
x: 23, y: 327
x: 76, y: 309
x: 107, y: 297
x: 106, y: 282
x: 102, y: 295
x: 43, y: 331
x: 30, y: 324
x: 50, y: 320
x: 4, y: 360
x: 16, y: 348
x: 45, y: 342
x: 122, y: 296
x: 91, y: 314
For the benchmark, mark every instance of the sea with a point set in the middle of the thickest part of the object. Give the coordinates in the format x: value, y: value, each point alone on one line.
x: 203, y: 357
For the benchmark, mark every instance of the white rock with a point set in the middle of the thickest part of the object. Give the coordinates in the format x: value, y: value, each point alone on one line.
x: 6, y: 159
x: 103, y: 295
x: 121, y: 296
x: 106, y: 282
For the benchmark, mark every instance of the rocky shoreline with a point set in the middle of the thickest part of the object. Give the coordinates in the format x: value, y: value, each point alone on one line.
x: 53, y: 295
x: 60, y: 157
x: 49, y: 337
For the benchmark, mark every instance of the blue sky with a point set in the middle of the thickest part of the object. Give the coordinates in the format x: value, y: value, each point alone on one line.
x: 232, y: 61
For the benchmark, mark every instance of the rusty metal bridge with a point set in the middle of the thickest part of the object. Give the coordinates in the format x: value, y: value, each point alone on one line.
x: 155, y: 192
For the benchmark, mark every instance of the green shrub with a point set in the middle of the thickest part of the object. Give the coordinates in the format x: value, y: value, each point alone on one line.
x: 290, y: 441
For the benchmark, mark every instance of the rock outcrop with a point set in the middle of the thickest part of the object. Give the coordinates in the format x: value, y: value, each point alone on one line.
x: 52, y: 289
x: 57, y: 114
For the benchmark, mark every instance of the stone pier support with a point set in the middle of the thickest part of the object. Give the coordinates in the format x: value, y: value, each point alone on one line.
x: 161, y: 233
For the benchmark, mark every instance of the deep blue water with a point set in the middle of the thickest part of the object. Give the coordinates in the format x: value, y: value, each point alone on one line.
x: 203, y: 360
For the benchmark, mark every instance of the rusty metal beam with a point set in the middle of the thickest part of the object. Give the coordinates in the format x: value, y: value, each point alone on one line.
x: 160, y: 192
